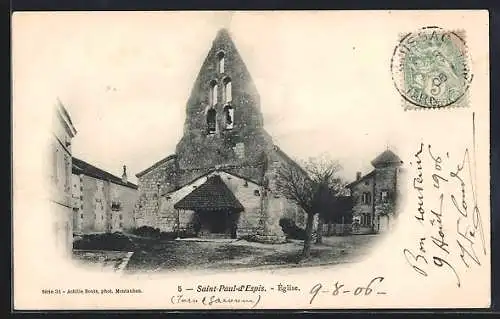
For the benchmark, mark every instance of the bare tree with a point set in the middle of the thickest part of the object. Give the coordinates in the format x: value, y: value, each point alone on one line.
x: 311, y: 189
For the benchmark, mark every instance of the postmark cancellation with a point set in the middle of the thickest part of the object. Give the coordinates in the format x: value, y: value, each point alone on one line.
x: 431, y: 69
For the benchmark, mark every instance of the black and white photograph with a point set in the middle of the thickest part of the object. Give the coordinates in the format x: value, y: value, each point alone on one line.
x: 251, y: 160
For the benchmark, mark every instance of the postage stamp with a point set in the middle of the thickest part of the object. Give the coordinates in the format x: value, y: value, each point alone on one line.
x: 431, y: 68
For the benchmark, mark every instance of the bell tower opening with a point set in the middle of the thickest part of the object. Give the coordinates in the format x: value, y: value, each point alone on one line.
x: 221, y: 61
x: 211, y: 121
x: 229, y: 116
x: 228, y: 90
x: 213, y: 93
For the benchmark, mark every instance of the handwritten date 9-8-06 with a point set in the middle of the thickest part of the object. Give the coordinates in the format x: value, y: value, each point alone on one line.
x: 339, y: 288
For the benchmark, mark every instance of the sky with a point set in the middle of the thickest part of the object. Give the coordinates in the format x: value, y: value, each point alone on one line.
x: 125, y: 78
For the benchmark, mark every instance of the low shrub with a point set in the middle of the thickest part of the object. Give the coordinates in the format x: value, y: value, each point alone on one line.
x: 250, y: 238
x: 174, y: 235
x: 146, y: 231
x: 106, y: 241
x: 291, y: 230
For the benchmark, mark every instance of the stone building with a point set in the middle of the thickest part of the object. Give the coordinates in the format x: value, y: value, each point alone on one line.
x: 63, y: 132
x: 375, y: 194
x: 102, y: 202
x: 221, y: 179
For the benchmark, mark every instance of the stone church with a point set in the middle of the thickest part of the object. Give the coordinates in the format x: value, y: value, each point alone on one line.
x: 221, y: 180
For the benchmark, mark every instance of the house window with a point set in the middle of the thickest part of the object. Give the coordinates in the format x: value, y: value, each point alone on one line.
x: 229, y: 117
x: 211, y: 123
x: 55, y: 155
x: 384, y: 196
x: 67, y: 171
x: 115, y: 206
x: 228, y: 91
x: 121, y: 217
x: 366, y: 198
x: 213, y: 92
x: 81, y: 216
x: 368, y: 219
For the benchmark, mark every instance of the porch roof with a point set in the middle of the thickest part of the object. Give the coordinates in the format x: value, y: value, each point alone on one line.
x: 212, y: 195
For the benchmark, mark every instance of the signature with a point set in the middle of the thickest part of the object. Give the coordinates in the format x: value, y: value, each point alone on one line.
x: 468, y: 233
x: 463, y: 210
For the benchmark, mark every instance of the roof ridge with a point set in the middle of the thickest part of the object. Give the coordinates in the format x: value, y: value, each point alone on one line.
x: 108, y: 175
x: 155, y: 164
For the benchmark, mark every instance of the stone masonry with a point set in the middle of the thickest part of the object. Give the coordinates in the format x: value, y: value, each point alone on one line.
x: 375, y: 194
x: 223, y: 134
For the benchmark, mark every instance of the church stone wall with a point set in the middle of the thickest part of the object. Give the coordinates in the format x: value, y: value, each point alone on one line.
x: 158, y: 180
x: 250, y: 196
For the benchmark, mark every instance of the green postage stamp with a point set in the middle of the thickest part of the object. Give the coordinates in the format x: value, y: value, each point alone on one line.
x: 431, y: 69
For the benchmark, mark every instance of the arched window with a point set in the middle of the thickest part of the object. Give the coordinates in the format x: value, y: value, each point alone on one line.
x: 211, y: 116
x: 221, y: 61
x: 213, y: 92
x: 229, y: 117
x: 228, y: 91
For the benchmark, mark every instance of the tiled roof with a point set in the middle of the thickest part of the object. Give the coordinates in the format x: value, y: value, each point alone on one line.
x: 369, y: 175
x: 207, y: 171
x: 387, y: 157
x: 82, y: 167
x: 212, y: 195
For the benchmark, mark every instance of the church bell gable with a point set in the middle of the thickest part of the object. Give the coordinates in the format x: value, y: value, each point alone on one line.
x: 224, y: 123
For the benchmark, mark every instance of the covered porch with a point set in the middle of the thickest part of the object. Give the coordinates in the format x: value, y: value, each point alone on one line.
x: 216, y: 209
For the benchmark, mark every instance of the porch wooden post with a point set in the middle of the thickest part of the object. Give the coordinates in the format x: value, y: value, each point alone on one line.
x: 343, y: 226
x: 178, y: 223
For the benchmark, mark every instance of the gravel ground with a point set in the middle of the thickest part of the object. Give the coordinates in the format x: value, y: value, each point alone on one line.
x: 155, y: 255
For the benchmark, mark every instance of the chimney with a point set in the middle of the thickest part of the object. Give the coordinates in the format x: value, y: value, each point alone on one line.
x: 358, y: 176
x: 124, y: 175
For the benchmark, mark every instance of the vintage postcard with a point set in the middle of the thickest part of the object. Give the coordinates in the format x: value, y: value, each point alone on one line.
x: 251, y: 160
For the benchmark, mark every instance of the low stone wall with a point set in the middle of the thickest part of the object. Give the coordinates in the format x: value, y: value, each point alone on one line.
x: 115, y: 260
